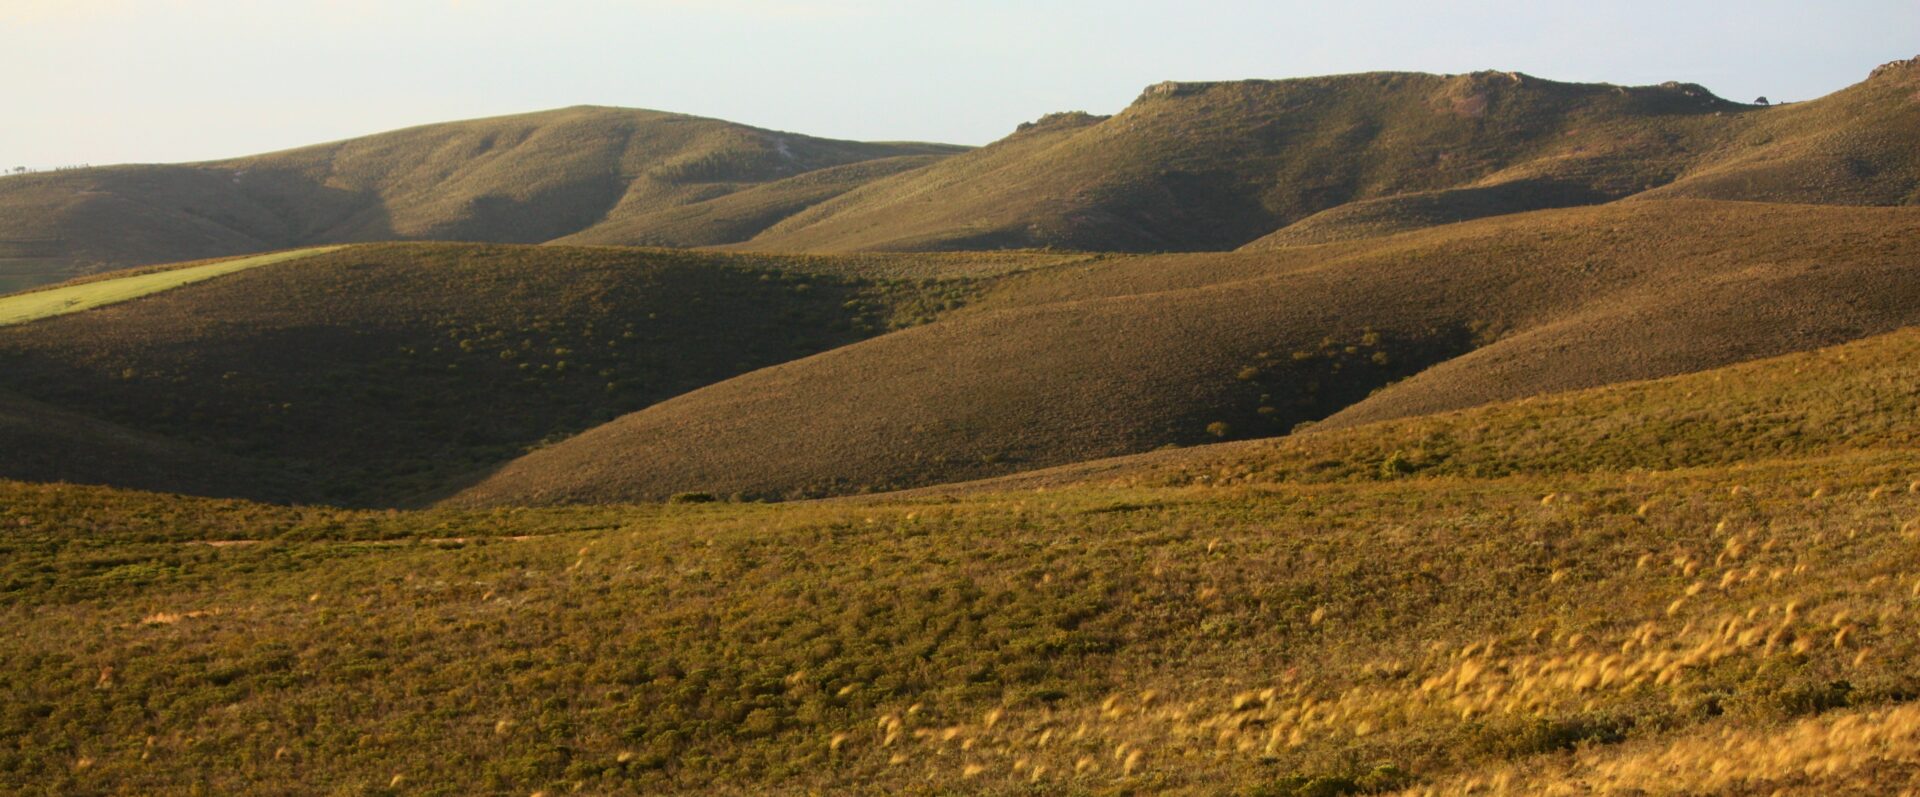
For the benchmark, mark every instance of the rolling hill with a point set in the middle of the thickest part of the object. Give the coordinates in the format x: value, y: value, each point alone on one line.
x: 1838, y: 401
x: 1129, y: 354
x: 375, y: 374
x: 530, y: 178
x: 1187, y: 167
x: 1215, y: 166
x: 1393, y: 301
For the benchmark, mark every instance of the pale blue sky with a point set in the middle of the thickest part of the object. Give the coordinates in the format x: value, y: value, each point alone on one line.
x: 108, y: 81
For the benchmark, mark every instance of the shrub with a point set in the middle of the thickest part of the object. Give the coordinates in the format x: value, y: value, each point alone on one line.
x: 692, y: 498
x: 1396, y: 464
x: 1383, y: 778
x: 1542, y: 735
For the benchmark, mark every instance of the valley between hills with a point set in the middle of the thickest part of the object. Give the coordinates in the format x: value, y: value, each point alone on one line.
x: 1386, y: 433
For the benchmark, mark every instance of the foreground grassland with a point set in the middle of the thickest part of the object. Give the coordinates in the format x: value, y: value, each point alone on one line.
x: 35, y: 305
x: 1295, y: 639
x: 1737, y: 619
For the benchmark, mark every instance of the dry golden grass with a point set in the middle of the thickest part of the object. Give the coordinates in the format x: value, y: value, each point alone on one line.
x: 1718, y: 627
x: 1703, y: 583
x: 1771, y: 613
x: 1847, y: 752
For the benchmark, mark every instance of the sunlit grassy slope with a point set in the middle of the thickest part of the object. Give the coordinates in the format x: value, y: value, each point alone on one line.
x: 1574, y: 500
x: 35, y: 305
x: 1574, y: 622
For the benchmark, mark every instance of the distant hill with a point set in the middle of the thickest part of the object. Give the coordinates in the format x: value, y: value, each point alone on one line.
x: 1130, y: 354
x: 1849, y: 148
x: 1186, y: 167
x: 529, y: 178
x: 1214, y: 166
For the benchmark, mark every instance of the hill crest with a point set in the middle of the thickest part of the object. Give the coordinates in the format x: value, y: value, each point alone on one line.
x: 523, y: 178
x: 1188, y: 166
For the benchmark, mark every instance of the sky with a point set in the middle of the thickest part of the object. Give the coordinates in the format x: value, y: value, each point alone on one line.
x: 155, y: 81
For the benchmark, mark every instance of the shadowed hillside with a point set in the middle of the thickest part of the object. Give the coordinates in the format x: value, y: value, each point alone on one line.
x: 527, y: 179
x: 45, y: 443
x: 377, y: 373
x: 1126, y: 355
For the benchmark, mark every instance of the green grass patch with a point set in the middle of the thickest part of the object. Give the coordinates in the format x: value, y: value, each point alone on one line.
x: 35, y: 305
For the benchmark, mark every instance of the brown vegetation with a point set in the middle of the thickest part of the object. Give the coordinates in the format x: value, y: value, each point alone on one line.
x: 1850, y: 398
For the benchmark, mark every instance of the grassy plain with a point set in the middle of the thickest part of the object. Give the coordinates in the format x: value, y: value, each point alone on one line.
x: 1354, y: 636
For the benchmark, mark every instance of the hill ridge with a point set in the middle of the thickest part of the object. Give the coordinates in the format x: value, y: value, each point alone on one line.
x: 518, y: 178
x: 1187, y: 166
x: 1273, y: 163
